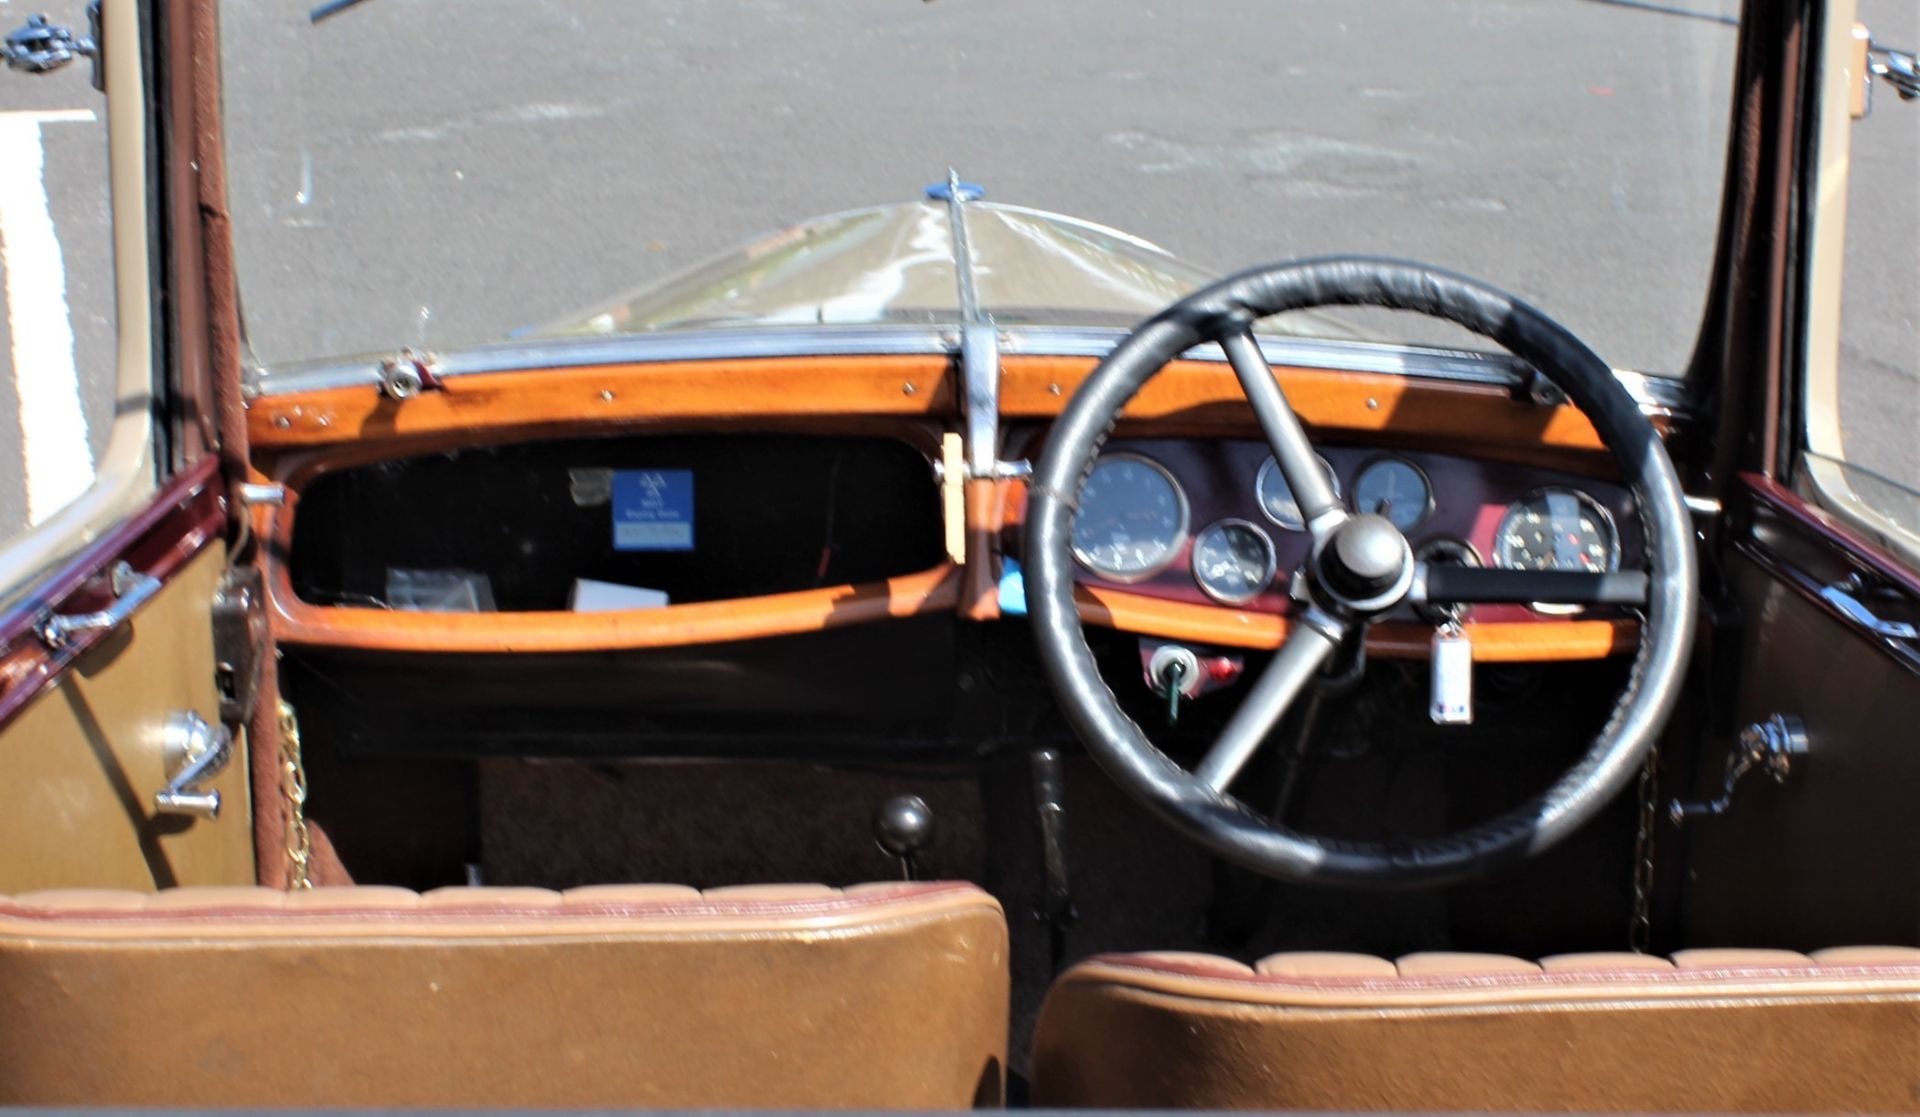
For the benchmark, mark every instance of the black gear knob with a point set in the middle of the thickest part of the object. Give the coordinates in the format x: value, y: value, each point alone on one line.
x: 902, y: 827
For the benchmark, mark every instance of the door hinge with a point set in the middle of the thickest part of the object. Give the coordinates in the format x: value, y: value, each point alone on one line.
x: 41, y: 47
x: 239, y: 642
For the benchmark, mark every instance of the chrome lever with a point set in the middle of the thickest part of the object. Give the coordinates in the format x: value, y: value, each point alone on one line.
x: 1900, y: 69
x: 41, y: 47
x: 1840, y: 596
x: 195, y: 752
x: 131, y: 590
x: 1772, y: 746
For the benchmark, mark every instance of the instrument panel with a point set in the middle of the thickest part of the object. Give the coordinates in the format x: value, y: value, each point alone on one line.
x: 1214, y: 521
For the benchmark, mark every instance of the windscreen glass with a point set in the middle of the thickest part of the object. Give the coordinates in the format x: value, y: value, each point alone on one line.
x: 436, y: 174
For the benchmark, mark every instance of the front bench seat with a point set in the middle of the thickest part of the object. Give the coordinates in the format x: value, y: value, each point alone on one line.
x: 1710, y: 1031
x: 885, y: 995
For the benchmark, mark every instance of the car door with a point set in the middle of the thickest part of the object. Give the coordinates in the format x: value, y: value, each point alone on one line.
x: 127, y: 644
x: 1819, y: 842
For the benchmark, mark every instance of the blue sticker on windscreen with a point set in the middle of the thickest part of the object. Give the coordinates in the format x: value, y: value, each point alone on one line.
x: 653, y: 510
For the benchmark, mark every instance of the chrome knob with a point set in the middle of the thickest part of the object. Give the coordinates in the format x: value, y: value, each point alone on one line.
x: 194, y: 752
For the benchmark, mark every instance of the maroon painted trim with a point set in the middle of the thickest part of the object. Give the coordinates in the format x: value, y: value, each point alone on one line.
x: 186, y: 514
x: 1830, y: 529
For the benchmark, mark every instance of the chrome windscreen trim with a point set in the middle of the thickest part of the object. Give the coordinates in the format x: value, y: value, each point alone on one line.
x: 677, y: 345
x: 1656, y: 395
x: 1495, y: 369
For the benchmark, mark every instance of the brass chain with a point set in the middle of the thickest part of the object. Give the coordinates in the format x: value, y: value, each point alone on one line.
x: 293, y: 785
x: 1640, y: 928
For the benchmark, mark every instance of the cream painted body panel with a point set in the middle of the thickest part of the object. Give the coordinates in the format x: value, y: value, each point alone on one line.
x: 79, y: 767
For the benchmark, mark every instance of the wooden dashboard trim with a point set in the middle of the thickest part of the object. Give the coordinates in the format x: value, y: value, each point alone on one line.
x: 611, y: 395
x: 1200, y: 396
x: 300, y: 434
x: 706, y: 622
x: 300, y: 623
x: 1203, y: 394
x: 1498, y: 642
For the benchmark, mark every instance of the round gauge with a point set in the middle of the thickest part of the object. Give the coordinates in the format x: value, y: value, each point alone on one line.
x: 1445, y: 551
x: 1132, y: 519
x: 1276, y: 496
x: 1233, y: 561
x: 1557, y: 529
x: 1395, y: 488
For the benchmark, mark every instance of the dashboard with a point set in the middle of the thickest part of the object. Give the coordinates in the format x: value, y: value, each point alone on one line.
x: 823, y: 558
x: 1214, y: 522
x: 491, y: 476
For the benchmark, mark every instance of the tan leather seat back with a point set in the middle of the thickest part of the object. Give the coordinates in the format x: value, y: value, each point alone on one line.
x: 1712, y: 1031
x: 789, y: 996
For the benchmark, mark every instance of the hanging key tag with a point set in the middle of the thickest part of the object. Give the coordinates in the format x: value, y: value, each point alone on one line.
x: 1452, y: 702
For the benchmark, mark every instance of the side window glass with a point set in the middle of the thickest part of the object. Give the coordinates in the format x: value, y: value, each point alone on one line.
x: 56, y: 250
x: 74, y: 449
x: 1877, y: 378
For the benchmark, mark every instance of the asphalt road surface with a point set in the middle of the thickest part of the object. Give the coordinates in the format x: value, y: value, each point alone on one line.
x: 431, y: 173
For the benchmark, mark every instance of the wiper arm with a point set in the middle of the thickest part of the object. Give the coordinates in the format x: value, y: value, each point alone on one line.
x: 329, y: 9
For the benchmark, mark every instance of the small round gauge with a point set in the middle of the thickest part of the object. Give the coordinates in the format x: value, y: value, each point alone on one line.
x: 1445, y: 551
x: 1395, y: 488
x: 1132, y: 519
x: 1557, y: 529
x: 1233, y: 561
x: 1276, y: 496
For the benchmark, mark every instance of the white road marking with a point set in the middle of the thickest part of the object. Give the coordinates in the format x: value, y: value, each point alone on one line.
x: 56, y: 458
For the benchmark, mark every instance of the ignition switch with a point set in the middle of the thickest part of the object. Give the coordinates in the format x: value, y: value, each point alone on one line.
x: 1174, y: 673
x: 1177, y: 673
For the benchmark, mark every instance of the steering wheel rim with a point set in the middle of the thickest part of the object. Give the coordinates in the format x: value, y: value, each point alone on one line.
x: 1225, y: 313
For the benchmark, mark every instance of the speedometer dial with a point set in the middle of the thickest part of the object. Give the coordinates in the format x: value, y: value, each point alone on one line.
x: 1276, y: 496
x: 1132, y: 520
x: 1232, y: 561
x: 1557, y: 529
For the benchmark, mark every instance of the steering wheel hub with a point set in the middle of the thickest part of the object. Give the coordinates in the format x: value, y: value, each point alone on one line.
x: 1366, y: 566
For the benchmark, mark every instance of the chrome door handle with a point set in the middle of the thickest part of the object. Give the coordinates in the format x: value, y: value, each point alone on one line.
x: 1773, y: 746
x: 1840, y: 596
x: 131, y: 590
x: 195, y: 752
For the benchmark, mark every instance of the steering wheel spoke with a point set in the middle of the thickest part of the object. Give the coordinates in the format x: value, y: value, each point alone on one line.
x: 1452, y: 584
x: 1292, y: 451
x: 1313, y: 639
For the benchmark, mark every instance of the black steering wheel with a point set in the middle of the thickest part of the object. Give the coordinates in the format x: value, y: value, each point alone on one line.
x: 1360, y: 567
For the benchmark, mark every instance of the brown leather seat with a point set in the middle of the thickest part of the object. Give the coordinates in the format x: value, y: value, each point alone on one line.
x: 1710, y: 1031
x: 877, y: 996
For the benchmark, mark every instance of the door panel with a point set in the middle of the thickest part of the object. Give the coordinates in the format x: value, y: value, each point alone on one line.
x: 1821, y: 559
x: 1831, y: 856
x: 85, y: 703
x: 80, y: 763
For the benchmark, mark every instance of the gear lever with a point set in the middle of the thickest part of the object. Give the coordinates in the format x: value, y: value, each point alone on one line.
x: 902, y: 827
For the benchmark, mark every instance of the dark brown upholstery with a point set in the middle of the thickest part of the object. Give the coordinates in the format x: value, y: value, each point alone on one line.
x: 890, y: 995
x: 1710, y: 1031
